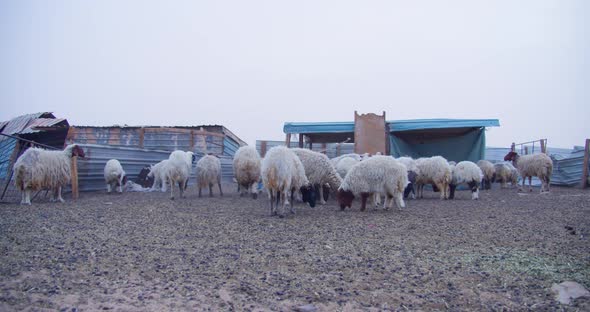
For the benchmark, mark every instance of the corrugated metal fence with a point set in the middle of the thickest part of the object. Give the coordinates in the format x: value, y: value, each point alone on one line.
x: 91, y: 169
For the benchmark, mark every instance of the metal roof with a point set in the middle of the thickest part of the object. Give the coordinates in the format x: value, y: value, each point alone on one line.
x: 30, y: 123
x: 394, y: 125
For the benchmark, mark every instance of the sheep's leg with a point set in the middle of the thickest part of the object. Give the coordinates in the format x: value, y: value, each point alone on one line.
x: 285, y: 201
x: 254, y: 192
x: 59, y: 198
x: 321, y: 192
x: 443, y: 190
x: 200, y: 190
x: 171, y: 189
x: 292, y: 200
x: 210, y: 189
x: 109, y: 187
x: 399, y: 201
x: 272, y: 199
x: 530, y: 183
x: 220, y: 190
x: 22, y: 198
x: 364, y: 197
x: 474, y: 190
x: 164, y: 184
x: 452, y: 187
x: 181, y: 188
x: 27, y: 196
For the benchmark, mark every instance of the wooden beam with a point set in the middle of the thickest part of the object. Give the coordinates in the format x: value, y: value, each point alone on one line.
x: 585, y: 169
x: 141, y: 137
x: 543, y: 146
x: 74, y: 170
x: 192, y: 142
x: 288, y: 140
x: 300, y: 140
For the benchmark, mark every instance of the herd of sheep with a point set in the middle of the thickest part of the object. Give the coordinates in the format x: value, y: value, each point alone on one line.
x: 287, y: 173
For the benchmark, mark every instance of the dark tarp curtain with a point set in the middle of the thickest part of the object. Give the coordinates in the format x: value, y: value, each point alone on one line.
x: 456, y: 147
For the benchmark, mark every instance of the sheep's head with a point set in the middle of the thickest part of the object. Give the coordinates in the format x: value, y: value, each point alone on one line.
x: 344, y: 198
x: 308, y: 194
x: 511, y: 156
x: 77, y: 151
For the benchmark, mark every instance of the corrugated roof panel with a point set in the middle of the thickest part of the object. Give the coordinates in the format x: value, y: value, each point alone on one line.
x: 18, y: 124
x: 37, y: 125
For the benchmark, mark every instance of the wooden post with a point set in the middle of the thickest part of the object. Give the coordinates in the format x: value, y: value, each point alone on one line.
x: 338, y: 149
x: 585, y: 169
x: 75, y: 177
x: 324, y: 149
x: 512, y: 147
x: 300, y: 140
x: 543, y: 146
x: 141, y: 137
x: 526, y: 150
x: 288, y: 140
x: 192, y: 142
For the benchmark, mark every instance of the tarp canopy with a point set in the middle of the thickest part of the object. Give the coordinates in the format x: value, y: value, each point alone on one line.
x: 454, y: 139
x: 457, y: 145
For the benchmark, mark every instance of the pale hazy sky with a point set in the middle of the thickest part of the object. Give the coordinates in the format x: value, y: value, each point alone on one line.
x: 253, y: 65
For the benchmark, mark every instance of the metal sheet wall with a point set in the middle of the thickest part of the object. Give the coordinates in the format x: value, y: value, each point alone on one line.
x: 91, y: 170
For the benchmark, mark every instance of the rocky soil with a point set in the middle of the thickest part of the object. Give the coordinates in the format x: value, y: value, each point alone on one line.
x: 144, y: 252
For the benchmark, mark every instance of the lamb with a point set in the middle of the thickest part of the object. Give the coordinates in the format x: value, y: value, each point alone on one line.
x: 413, y: 173
x: 209, y: 173
x: 535, y: 165
x: 114, y: 175
x: 283, y: 174
x: 469, y: 173
x: 247, y: 169
x: 487, y: 168
x: 178, y: 170
x: 319, y: 171
x: 158, y: 173
x: 435, y: 170
x: 38, y: 169
x: 378, y: 174
x: 505, y: 172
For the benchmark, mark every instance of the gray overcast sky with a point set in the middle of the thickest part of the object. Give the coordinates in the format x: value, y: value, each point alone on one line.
x: 253, y: 65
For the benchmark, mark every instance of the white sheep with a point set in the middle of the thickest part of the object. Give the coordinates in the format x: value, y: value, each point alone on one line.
x: 209, y: 173
x: 487, y: 168
x: 178, y: 170
x: 335, y: 160
x: 39, y: 169
x: 505, y: 172
x: 375, y: 175
x: 247, y: 169
x: 319, y: 171
x: 282, y: 175
x: 435, y: 170
x: 466, y: 172
x: 535, y: 165
x: 158, y: 172
x: 344, y: 165
x: 114, y: 175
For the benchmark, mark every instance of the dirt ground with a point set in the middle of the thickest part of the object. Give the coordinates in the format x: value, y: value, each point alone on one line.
x: 144, y: 252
